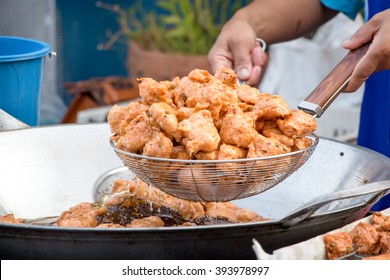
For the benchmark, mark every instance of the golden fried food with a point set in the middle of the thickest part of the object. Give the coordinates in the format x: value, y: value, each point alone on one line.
x: 200, y: 113
x: 378, y: 257
x: 199, y: 133
x: 237, y: 128
x: 185, y: 92
x: 139, y: 132
x: 248, y: 95
x: 227, y: 76
x: 262, y: 146
x: 152, y: 221
x: 270, y: 107
x: 207, y: 155
x: 152, y: 91
x: 338, y: 244
x: 231, y: 212
x: 10, y: 218
x: 380, y: 221
x: 82, y: 215
x: 271, y: 130
x: 384, y: 242
x: 367, y: 239
x: 227, y: 152
x: 159, y: 146
x: 165, y: 116
x: 297, y: 124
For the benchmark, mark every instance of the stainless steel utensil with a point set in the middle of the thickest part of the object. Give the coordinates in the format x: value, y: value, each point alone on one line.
x: 228, y: 180
x: 43, y: 174
x: 333, y: 84
x: 215, y: 180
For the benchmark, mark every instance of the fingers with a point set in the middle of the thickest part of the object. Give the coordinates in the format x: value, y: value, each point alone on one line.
x: 377, y: 57
x: 259, y: 60
x: 242, y: 57
x: 219, y: 57
x: 362, y: 36
x: 365, y: 67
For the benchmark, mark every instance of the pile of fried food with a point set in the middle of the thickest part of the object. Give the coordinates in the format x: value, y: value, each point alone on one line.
x: 371, y: 240
x: 135, y: 204
x: 208, y: 117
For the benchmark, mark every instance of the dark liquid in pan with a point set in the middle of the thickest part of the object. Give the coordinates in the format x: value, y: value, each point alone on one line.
x: 134, y: 208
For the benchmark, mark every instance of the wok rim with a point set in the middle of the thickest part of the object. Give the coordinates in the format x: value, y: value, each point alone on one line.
x: 176, y: 228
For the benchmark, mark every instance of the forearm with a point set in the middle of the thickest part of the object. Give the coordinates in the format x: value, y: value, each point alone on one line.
x: 282, y: 20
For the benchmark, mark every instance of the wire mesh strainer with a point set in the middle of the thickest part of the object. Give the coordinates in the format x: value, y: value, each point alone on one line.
x: 215, y: 180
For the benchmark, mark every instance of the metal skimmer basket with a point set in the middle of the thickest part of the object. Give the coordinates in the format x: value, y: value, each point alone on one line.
x: 215, y: 180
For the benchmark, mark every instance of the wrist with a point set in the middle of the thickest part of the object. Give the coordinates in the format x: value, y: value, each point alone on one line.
x: 252, y: 17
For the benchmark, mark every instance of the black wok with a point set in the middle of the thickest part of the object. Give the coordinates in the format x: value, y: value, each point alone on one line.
x: 46, y: 170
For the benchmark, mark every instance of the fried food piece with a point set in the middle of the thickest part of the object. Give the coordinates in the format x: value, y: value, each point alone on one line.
x: 116, y: 119
x: 165, y: 116
x: 139, y: 132
x: 227, y: 76
x: 270, y: 107
x: 200, y: 76
x: 139, y: 189
x: 119, y: 117
x: 232, y: 169
x: 206, y: 155
x: 237, y: 128
x: 184, y: 113
x: 82, y: 215
x: 211, y: 98
x: 159, y: 146
x: 378, y: 257
x: 297, y: 124
x: 380, y: 221
x: 384, y: 241
x: 245, y: 107
x: 10, y: 218
x: 152, y: 91
x: 199, y: 133
x: 301, y: 143
x: 180, y: 152
x: 249, y: 95
x: 271, y: 130
x: 259, y: 124
x: 366, y: 239
x: 262, y: 146
x: 231, y: 212
x: 152, y: 221
x: 227, y: 152
x: 185, y: 92
x: 338, y: 244
x: 110, y: 225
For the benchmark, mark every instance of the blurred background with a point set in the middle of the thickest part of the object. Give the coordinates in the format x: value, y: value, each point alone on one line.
x: 94, y: 50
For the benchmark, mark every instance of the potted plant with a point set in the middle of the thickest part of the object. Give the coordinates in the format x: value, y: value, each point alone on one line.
x: 172, y: 41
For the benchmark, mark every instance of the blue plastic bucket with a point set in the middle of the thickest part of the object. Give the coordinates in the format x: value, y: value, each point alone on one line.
x: 21, y: 74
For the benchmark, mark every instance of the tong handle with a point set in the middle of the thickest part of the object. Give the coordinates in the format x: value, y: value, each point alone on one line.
x: 309, y: 208
x: 327, y: 91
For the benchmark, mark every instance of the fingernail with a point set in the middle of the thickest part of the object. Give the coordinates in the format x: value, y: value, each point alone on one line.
x: 346, y: 42
x: 243, y: 73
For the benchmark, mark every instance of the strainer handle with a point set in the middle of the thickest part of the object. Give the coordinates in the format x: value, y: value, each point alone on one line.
x: 312, y: 206
x: 333, y: 84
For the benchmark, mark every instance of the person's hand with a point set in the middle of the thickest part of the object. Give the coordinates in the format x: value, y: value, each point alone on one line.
x: 236, y: 47
x: 377, y: 57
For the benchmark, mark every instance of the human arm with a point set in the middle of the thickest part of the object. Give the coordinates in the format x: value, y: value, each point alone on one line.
x: 272, y: 20
x: 377, y: 58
